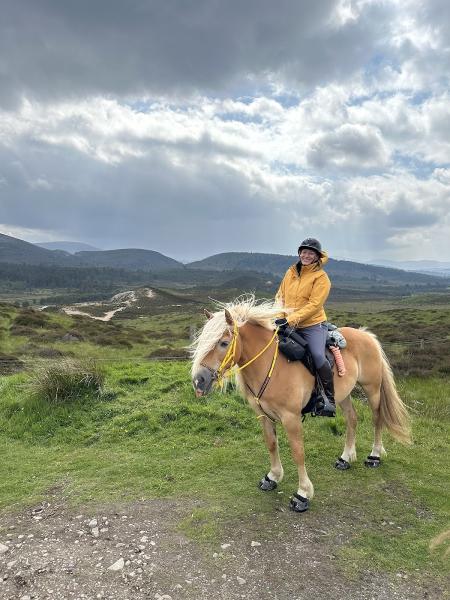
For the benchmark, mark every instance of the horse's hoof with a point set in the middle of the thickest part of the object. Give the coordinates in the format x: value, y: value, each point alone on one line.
x: 298, y: 503
x: 341, y: 464
x: 372, y: 462
x: 267, y: 485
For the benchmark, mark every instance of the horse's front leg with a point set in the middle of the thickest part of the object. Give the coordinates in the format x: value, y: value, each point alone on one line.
x: 294, y: 430
x: 275, y: 475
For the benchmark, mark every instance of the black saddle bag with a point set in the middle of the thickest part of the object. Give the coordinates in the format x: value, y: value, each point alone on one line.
x: 292, y: 344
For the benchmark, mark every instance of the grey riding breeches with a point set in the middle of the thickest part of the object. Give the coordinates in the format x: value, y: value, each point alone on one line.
x: 316, y: 336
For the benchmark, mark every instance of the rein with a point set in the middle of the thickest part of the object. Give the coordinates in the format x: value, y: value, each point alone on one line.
x: 225, y: 368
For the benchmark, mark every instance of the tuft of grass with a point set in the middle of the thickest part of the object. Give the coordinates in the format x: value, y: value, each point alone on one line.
x: 67, y: 380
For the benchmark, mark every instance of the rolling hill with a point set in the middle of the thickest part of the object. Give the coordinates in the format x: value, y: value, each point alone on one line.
x: 342, y: 271
x: 240, y: 270
x: 13, y: 250
x: 129, y: 258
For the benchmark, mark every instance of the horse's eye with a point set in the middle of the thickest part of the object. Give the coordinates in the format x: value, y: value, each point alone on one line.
x: 223, y: 344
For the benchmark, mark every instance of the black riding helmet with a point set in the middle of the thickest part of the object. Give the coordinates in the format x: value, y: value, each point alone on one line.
x: 311, y: 244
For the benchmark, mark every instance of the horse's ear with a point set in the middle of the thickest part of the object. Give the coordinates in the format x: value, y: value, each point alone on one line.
x: 228, y: 317
x: 208, y: 314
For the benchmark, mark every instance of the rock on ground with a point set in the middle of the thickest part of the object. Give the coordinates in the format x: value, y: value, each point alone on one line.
x: 140, y: 554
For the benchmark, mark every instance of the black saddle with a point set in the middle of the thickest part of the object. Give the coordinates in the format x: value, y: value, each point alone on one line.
x: 295, y: 347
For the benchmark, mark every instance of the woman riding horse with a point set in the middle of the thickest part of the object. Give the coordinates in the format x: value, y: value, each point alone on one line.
x: 305, y: 288
x: 240, y: 338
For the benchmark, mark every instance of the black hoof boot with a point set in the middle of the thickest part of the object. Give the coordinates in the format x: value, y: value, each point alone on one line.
x: 298, y: 503
x: 342, y: 465
x: 372, y: 462
x: 267, y: 485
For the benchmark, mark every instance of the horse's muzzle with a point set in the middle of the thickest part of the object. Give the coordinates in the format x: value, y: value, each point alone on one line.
x: 203, y: 381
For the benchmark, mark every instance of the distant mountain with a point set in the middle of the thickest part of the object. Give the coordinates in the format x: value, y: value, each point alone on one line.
x: 237, y: 269
x: 13, y: 250
x: 429, y: 267
x: 70, y: 247
x: 245, y: 261
x: 129, y: 258
x: 342, y: 271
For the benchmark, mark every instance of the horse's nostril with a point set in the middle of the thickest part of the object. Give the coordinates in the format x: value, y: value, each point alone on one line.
x: 199, y: 381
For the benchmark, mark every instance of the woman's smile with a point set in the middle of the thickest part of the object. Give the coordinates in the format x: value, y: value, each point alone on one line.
x: 308, y: 257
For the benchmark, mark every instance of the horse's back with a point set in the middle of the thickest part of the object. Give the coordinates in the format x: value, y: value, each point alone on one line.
x: 359, y: 340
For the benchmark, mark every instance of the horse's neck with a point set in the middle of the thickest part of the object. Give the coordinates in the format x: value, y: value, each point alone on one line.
x: 253, y: 339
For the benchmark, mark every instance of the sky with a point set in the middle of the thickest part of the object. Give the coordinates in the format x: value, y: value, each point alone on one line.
x: 194, y: 127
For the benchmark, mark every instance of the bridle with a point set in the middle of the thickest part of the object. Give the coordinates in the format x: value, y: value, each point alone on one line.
x: 229, y: 363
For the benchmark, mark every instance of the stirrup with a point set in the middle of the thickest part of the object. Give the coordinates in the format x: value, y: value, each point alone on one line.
x: 328, y: 409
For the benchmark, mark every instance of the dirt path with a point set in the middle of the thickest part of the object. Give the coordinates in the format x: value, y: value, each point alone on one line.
x: 126, y: 298
x: 136, y: 551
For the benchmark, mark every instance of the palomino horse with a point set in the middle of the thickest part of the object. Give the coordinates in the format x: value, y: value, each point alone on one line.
x: 241, y: 338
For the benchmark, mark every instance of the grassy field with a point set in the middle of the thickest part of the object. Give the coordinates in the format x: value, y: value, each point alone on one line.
x: 145, y: 435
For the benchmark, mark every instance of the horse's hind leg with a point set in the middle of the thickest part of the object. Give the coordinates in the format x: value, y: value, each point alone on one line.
x: 275, y: 475
x: 373, y: 396
x: 349, y: 453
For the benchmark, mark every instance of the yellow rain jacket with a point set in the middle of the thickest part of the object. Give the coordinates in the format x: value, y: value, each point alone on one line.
x: 306, y: 293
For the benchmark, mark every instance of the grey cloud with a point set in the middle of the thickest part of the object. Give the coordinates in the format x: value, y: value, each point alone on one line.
x: 192, y: 208
x: 53, y: 49
x: 178, y: 210
x: 405, y: 215
x: 348, y: 147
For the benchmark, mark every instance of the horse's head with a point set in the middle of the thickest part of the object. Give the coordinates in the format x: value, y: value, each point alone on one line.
x: 218, y: 348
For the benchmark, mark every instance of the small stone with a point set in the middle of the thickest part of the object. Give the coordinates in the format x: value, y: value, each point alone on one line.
x: 95, y: 532
x: 215, y: 555
x: 3, y: 549
x: 240, y: 580
x: 225, y: 546
x: 93, y: 523
x: 11, y: 564
x: 117, y: 566
x: 104, y: 530
x: 254, y: 544
x: 144, y: 539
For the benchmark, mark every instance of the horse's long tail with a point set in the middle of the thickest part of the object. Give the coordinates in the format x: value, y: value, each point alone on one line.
x: 392, y: 409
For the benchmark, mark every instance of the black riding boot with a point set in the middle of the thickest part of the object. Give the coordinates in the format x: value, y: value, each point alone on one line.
x: 325, y: 374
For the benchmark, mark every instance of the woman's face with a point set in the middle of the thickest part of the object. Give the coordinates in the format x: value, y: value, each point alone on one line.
x: 308, y: 257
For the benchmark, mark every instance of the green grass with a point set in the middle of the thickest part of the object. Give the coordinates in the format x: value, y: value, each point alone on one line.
x: 147, y: 436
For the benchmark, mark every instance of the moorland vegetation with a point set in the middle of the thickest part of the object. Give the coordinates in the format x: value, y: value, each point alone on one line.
x: 106, y: 415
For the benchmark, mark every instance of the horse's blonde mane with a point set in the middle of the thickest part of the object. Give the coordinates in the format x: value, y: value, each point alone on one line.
x: 244, y: 309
